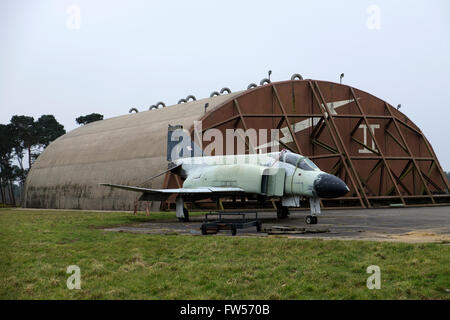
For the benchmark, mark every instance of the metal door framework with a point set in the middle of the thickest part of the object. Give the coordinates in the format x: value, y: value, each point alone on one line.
x: 389, y: 174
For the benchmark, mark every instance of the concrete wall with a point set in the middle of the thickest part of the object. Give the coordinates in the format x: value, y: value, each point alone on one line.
x: 125, y: 150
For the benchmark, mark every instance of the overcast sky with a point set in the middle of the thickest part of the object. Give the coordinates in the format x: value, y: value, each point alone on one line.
x: 114, y: 55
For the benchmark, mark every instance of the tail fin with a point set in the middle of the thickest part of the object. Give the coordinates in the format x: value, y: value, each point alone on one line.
x: 180, y: 144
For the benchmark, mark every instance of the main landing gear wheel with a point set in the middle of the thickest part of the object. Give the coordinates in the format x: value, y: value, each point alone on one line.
x: 186, y: 216
x: 282, y: 212
x: 258, y: 226
x: 311, y: 220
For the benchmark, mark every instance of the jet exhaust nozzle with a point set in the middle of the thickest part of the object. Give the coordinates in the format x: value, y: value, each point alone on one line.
x: 329, y: 186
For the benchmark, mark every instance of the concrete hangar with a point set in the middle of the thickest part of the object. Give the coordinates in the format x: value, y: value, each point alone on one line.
x: 382, y: 156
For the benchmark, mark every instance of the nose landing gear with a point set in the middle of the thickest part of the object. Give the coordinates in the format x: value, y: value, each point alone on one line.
x: 314, y: 204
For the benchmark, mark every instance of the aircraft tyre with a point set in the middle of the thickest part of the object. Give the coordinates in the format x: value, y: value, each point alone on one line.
x: 311, y: 220
x: 258, y: 226
x: 186, y: 216
x: 282, y: 212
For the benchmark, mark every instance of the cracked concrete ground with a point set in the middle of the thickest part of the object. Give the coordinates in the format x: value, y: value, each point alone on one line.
x: 420, y: 224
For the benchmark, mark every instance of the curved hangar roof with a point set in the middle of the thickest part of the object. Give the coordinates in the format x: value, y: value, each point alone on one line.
x: 127, y: 149
x: 382, y: 156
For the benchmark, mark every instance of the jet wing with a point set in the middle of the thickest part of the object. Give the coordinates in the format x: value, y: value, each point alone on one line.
x: 163, y: 194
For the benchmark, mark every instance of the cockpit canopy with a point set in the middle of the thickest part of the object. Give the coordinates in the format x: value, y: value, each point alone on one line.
x: 298, y: 161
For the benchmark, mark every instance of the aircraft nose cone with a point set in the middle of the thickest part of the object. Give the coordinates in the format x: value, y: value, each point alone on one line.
x: 329, y: 186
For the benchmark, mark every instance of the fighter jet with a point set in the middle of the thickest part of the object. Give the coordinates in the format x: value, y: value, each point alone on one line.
x: 284, y: 176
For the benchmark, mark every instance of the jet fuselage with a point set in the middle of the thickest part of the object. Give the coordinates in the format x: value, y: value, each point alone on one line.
x: 282, y: 174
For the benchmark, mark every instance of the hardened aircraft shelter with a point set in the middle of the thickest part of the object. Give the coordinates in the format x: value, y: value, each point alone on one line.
x: 377, y: 150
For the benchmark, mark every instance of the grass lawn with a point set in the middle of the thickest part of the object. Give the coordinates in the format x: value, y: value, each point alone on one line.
x: 37, y: 247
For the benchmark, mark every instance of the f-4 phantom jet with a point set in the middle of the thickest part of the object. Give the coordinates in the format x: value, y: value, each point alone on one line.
x: 284, y: 176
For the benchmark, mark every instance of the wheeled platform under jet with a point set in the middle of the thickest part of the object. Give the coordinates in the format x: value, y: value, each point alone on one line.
x: 284, y: 176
